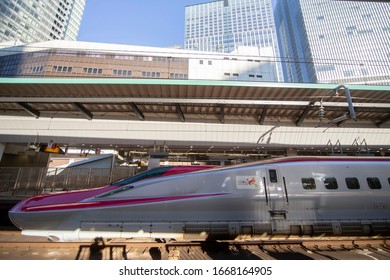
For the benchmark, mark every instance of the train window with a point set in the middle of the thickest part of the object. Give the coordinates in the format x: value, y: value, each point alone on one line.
x: 122, y: 189
x: 374, y: 183
x: 352, y: 183
x: 331, y: 183
x: 308, y: 183
x: 273, y: 177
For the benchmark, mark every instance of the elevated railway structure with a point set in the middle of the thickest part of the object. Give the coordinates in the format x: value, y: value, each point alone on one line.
x: 187, y: 121
x: 202, y: 120
x: 198, y: 117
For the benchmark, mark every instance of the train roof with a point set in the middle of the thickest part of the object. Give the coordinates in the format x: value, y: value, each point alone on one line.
x: 306, y: 159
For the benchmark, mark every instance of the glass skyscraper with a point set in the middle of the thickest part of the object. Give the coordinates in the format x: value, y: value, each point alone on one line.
x: 223, y: 26
x: 40, y: 20
x: 331, y: 41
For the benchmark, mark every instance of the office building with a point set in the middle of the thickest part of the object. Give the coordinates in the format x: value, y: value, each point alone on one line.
x: 223, y: 26
x: 60, y: 58
x: 334, y: 41
x: 37, y: 20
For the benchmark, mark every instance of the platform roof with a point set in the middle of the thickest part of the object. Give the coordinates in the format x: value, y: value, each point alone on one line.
x: 193, y: 101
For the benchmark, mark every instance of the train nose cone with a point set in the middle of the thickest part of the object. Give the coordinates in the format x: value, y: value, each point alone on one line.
x: 12, y: 217
x: 16, y: 212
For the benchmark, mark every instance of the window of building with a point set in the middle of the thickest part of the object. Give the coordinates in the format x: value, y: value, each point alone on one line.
x: 210, y: 62
x: 331, y: 183
x: 348, y: 73
x: 151, y: 74
x: 321, y: 68
x: 374, y: 183
x: 93, y: 71
x: 63, y: 69
x: 364, y: 72
x: 308, y: 183
x: 352, y: 183
x: 201, y: 62
x: 147, y: 58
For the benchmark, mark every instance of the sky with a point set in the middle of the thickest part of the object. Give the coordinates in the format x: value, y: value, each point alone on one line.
x: 156, y: 23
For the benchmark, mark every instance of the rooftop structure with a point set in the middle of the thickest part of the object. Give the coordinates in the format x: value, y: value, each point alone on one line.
x: 96, y: 60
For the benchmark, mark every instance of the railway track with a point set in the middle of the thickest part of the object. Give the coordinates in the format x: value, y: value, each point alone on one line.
x: 15, y: 246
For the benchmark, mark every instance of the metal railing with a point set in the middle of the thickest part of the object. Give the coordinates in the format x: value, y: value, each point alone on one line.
x: 29, y: 181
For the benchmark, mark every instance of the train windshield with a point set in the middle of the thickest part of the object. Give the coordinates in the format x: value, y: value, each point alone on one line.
x: 125, y: 183
x: 122, y: 189
x: 143, y: 175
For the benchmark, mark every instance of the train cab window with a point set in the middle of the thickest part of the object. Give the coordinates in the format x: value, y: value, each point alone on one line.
x: 273, y: 177
x: 308, y: 183
x: 331, y: 183
x: 374, y: 183
x: 122, y: 189
x: 352, y: 183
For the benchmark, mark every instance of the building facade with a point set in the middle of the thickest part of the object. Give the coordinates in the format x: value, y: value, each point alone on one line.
x: 225, y: 25
x: 334, y: 41
x: 96, y: 60
x: 36, y: 20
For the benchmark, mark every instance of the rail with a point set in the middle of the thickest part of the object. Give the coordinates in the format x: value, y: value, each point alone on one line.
x: 28, y: 181
x: 16, y: 246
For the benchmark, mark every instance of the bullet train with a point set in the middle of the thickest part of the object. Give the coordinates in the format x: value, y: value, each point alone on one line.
x: 293, y: 195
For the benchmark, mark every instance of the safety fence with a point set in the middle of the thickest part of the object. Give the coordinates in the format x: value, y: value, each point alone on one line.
x: 28, y: 181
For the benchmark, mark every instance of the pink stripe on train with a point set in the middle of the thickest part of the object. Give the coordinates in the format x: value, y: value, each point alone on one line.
x: 113, y: 203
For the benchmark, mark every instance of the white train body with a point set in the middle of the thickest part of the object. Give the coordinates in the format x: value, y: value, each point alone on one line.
x: 335, y: 196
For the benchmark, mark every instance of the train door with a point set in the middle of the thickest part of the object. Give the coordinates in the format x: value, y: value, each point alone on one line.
x: 276, y: 193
